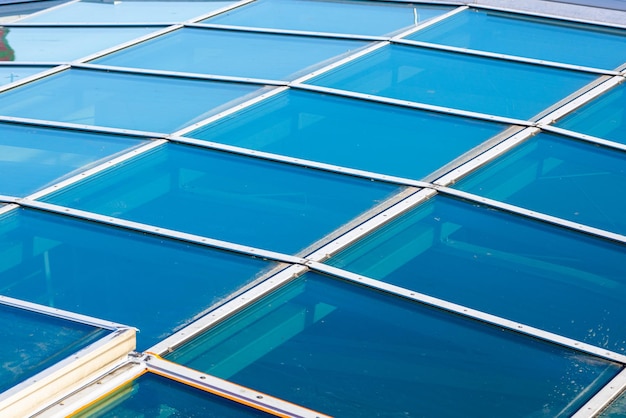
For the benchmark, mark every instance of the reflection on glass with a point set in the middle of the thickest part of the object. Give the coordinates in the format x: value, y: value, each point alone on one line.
x: 460, y: 81
x: 558, y: 176
x: 63, y: 44
x: 231, y: 53
x: 118, y: 100
x: 32, y: 158
x: 13, y: 73
x: 352, y: 17
x: 151, y: 395
x: 532, y: 37
x: 32, y: 342
x: 6, y: 52
x: 527, y: 271
x: 234, y: 198
x: 604, y: 117
x: 359, y: 134
x: 155, y: 284
x: 349, y: 351
x: 127, y: 11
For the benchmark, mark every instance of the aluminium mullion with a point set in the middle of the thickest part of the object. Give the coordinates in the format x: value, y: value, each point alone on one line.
x: 228, y: 309
x: 60, y: 313
x: 34, y: 77
x: 178, y: 74
x: 56, y: 25
x: 228, y: 390
x: 504, y: 57
x: 58, y: 6
x: 604, y: 397
x: 478, y: 315
x: 582, y: 137
x: 224, y: 9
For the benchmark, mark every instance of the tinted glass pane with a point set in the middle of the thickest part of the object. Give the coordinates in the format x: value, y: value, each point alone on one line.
x: 359, y: 134
x: 616, y: 410
x: 604, y: 117
x: 152, y: 395
x: 551, y: 40
x: 527, y: 271
x: 239, y: 199
x: 434, y: 77
x: 96, y: 270
x: 362, y: 18
x: 9, y: 74
x: 32, y: 158
x: 64, y: 44
x: 127, y: 11
x: 561, y: 177
x: 350, y: 351
x: 32, y: 342
x: 131, y: 101
x: 230, y: 53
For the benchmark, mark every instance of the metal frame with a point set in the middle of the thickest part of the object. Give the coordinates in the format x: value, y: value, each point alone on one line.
x: 604, y: 397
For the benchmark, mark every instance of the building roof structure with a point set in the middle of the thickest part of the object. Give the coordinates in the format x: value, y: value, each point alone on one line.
x: 313, y: 208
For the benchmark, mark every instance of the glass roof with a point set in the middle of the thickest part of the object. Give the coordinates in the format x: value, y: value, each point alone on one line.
x: 311, y: 207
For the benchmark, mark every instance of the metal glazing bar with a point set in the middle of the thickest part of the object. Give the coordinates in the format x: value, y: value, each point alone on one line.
x: 56, y: 25
x: 583, y: 137
x: 177, y: 74
x: 58, y: 6
x: 504, y: 57
x: 33, y: 77
x: 219, y: 11
x: 98, y: 169
x: 228, y: 309
x: 431, y: 22
x: 411, y: 105
x: 271, y: 31
x: 153, y: 230
x: 43, y: 64
x: 228, y: 390
x: 469, y: 312
x: 59, y: 313
x: 604, y: 397
x: 230, y: 111
x: 8, y: 208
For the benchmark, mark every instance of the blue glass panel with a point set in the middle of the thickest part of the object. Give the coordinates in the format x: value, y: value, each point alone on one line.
x: 561, y: 177
x: 118, y: 100
x: 230, y: 53
x: 349, y: 351
x: 353, y: 133
x: 127, y: 11
x: 32, y: 342
x: 617, y: 409
x: 604, y: 117
x: 526, y: 36
x: 152, y: 283
x: 12, y: 73
x: 524, y: 270
x: 32, y: 158
x: 220, y: 195
x: 454, y: 80
x: 361, y: 18
x: 152, y: 395
x: 65, y: 44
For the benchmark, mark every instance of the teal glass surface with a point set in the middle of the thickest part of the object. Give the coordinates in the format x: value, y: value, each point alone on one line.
x: 558, y: 176
x: 127, y: 11
x: 231, y: 53
x: 32, y: 342
x: 530, y: 37
x: 349, y: 351
x: 151, y: 395
x: 12, y: 73
x: 617, y: 409
x: 527, y: 271
x: 152, y: 283
x: 352, y: 133
x: 32, y: 158
x: 39, y: 44
x: 352, y: 17
x: 460, y: 81
x: 604, y: 117
x: 229, y: 197
x: 118, y: 100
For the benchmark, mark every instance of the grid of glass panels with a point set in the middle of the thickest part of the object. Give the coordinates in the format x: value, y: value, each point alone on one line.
x: 304, y: 183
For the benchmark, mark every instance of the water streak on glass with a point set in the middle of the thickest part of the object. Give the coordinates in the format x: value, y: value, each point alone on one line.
x: 530, y: 37
x: 502, y: 264
x: 154, y: 284
x: 455, y: 80
x: 349, y: 351
x: 233, y: 198
x: 363, y: 135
